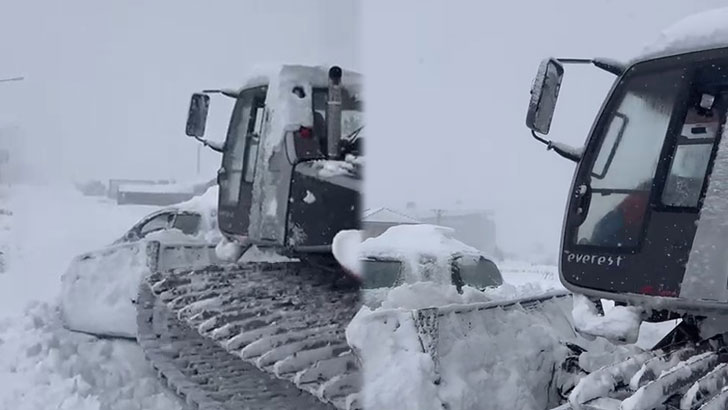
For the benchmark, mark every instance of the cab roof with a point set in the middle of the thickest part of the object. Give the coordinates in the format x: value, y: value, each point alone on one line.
x: 699, y: 32
x: 316, y: 76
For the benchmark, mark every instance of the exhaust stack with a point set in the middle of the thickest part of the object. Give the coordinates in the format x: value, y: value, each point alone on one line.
x: 333, y: 112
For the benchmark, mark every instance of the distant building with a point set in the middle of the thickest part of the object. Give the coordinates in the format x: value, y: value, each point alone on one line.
x: 375, y: 221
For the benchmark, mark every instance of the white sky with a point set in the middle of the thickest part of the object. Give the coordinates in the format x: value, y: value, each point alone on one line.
x: 108, y: 85
x: 449, y: 87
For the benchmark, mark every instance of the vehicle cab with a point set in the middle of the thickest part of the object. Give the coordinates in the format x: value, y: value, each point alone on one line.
x: 274, y: 188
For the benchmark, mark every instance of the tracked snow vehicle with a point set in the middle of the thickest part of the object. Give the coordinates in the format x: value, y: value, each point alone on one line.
x: 644, y: 227
x: 645, y: 223
x: 267, y: 330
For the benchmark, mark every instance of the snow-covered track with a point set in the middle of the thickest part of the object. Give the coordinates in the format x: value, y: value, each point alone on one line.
x: 253, y: 336
x: 687, y: 376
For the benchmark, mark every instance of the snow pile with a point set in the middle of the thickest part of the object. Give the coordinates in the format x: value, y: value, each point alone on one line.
x: 425, y: 249
x: 345, y: 248
x: 43, y: 366
x: 703, y: 30
x: 98, y: 289
x: 255, y: 254
x: 228, y: 251
x: 330, y: 168
x: 505, y: 358
x: 423, y: 295
x: 619, y: 324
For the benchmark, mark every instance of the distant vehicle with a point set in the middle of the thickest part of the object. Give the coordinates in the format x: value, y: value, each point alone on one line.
x: 400, y: 256
x: 187, y: 222
x: 465, y: 269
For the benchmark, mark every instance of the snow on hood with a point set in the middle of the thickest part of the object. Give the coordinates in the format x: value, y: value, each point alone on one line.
x: 424, y: 249
x: 701, y: 31
x: 403, y: 241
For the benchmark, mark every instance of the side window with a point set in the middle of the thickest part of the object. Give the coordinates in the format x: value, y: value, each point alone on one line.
x: 157, y: 223
x: 479, y: 272
x: 188, y: 223
x: 690, y: 159
x: 381, y: 273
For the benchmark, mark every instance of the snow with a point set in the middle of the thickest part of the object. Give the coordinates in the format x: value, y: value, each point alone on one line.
x: 345, y: 247
x: 42, y: 364
x: 620, y: 324
x: 426, y: 294
x: 706, y: 271
x: 330, y: 168
x: 478, y: 357
x: 255, y: 254
x: 407, y: 240
x: 99, y: 287
x: 699, y: 31
x: 309, y: 198
x: 425, y: 250
x: 228, y: 250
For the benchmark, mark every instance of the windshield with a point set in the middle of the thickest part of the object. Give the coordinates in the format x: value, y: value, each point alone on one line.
x: 381, y: 273
x: 352, y: 108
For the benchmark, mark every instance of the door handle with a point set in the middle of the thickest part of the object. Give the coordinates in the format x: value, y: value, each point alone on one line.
x: 582, y: 198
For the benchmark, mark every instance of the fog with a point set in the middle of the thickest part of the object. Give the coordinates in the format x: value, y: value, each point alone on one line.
x: 107, y: 85
x: 448, y: 90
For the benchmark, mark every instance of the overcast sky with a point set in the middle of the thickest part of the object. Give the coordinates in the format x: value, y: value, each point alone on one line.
x: 108, y: 84
x: 449, y: 86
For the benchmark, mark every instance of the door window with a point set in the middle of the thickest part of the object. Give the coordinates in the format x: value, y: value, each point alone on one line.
x: 623, y: 171
x: 188, y: 223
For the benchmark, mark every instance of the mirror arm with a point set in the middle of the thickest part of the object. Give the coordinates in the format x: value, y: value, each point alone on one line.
x: 215, y: 146
x: 566, y: 151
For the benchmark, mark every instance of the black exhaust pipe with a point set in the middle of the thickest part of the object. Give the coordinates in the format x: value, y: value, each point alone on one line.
x: 333, y: 112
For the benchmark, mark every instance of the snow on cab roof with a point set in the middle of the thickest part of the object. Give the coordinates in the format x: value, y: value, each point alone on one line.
x: 263, y: 74
x: 702, y: 31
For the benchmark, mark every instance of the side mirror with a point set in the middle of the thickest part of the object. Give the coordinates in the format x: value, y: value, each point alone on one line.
x: 197, y: 115
x: 544, y: 93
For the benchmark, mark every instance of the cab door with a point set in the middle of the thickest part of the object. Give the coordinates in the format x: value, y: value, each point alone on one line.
x: 638, y: 191
x: 237, y: 173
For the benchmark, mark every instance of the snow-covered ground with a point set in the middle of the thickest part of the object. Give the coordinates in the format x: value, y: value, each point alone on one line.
x: 42, y: 365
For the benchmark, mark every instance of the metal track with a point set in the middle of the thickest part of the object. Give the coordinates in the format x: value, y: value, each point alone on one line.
x: 263, y: 336
x: 685, y: 375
